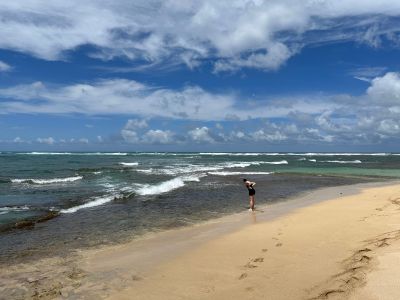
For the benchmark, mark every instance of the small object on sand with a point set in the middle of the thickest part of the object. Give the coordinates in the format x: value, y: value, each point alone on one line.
x: 31, y: 279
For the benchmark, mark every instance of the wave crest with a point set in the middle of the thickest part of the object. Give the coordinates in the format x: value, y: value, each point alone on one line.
x: 47, y: 181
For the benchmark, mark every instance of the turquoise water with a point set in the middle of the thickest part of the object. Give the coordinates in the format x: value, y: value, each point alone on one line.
x: 83, y: 199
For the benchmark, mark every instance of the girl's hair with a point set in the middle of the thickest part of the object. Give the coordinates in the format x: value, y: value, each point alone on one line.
x: 244, y: 179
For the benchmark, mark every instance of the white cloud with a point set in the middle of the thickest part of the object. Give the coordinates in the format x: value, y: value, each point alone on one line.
x: 129, y: 136
x: 235, y: 33
x: 386, y: 89
x: 4, y: 67
x: 48, y: 140
x: 201, y: 134
x: 18, y: 140
x: 83, y: 141
x: 389, y: 127
x: 122, y: 96
x: 368, y: 118
x: 136, y: 124
x: 117, y: 96
x: 158, y: 137
x: 275, y: 136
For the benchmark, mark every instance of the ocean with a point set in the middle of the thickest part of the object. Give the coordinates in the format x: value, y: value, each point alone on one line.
x: 52, y: 203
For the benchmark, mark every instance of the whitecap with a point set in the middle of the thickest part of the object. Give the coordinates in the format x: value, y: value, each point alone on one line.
x: 95, y: 202
x: 47, y: 181
x: 167, y: 186
x: 221, y: 173
x: 281, y: 162
x: 343, y: 161
x: 129, y: 164
x: 6, y: 209
x: 45, y: 153
x: 145, y: 171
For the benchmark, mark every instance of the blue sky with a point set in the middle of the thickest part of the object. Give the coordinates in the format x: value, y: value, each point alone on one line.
x: 241, y: 75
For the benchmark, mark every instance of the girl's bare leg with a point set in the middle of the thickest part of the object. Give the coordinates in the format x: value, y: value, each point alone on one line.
x: 252, y: 202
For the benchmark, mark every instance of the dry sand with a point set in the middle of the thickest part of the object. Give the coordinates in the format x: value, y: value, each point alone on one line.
x: 346, y: 247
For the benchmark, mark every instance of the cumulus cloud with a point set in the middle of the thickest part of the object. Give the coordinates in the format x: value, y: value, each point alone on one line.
x: 386, y: 88
x: 201, y: 134
x: 48, y: 140
x: 133, y: 124
x: 158, y: 137
x: 129, y: 136
x: 18, y: 140
x: 367, y: 118
x: 261, y: 135
x: 233, y: 34
x: 83, y: 141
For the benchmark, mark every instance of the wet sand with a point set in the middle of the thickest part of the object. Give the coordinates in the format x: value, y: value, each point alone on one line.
x: 333, y: 243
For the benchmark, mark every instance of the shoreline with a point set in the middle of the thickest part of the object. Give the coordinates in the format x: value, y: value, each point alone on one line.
x: 114, y: 270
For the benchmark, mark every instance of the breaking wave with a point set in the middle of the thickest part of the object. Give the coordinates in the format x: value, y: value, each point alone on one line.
x: 167, y: 186
x: 47, y: 181
x: 95, y: 202
x: 130, y: 164
x: 343, y: 161
x: 239, y: 173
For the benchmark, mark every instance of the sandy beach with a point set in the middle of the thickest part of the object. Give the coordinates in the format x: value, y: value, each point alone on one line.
x: 333, y: 243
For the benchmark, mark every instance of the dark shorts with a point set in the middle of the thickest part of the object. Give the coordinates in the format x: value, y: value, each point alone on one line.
x: 252, y: 192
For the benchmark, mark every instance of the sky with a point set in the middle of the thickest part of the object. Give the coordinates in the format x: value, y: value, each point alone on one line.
x: 200, y: 75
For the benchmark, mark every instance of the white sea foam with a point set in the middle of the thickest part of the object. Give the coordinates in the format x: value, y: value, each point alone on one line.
x: 97, y: 172
x: 46, y: 153
x: 312, y: 160
x: 167, y: 186
x: 73, y: 153
x: 47, y: 181
x: 282, y: 162
x: 95, y: 202
x: 177, y: 170
x: 145, y: 171
x: 7, y: 209
x: 191, y: 168
x: 239, y: 153
x: 343, y: 161
x: 129, y: 164
x: 162, y: 187
x: 336, y: 154
x: 222, y: 173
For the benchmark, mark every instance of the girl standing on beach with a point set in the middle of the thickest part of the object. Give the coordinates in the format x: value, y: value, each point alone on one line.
x: 250, y: 187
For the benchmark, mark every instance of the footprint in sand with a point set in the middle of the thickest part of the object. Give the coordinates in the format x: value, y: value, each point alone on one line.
x: 264, y: 250
x: 251, y: 264
x: 243, y: 276
x: 136, y: 278
x: 258, y: 259
x: 279, y: 245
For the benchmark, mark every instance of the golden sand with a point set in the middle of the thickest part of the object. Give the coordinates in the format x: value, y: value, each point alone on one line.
x: 334, y: 243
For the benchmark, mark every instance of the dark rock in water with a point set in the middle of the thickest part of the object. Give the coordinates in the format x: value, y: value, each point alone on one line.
x: 29, y: 223
x: 50, y: 215
x: 24, y: 224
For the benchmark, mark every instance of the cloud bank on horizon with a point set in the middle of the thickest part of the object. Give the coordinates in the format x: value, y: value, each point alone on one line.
x: 213, y: 39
